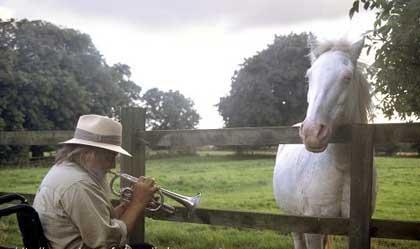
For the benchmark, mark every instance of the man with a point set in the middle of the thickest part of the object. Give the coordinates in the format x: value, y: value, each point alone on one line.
x: 73, y: 200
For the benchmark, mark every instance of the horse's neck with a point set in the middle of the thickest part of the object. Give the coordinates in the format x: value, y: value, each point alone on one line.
x: 357, y: 103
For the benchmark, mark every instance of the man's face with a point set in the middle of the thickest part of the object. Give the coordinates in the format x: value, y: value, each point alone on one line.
x: 105, y: 159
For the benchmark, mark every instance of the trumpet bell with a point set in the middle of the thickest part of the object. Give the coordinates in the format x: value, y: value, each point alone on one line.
x: 186, y: 201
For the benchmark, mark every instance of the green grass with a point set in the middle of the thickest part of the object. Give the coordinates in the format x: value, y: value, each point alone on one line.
x: 229, y: 182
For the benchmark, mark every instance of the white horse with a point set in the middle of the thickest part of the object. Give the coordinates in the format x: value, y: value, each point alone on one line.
x: 314, y: 179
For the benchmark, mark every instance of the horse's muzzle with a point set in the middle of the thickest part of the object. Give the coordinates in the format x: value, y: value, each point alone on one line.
x: 315, y: 136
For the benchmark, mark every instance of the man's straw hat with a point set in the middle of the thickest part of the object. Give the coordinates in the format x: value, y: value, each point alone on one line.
x: 98, y: 131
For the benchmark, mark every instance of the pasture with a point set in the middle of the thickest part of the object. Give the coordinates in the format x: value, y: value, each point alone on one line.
x: 240, y: 183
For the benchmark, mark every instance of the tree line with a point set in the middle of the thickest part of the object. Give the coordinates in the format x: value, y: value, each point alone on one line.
x: 51, y: 75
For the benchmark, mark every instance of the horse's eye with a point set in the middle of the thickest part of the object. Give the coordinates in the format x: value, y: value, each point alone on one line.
x: 347, y: 79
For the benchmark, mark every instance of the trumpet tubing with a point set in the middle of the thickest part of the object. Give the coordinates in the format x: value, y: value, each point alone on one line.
x: 126, y: 194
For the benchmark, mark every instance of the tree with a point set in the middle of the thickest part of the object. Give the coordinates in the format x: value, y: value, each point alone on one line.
x: 49, y: 76
x: 169, y: 110
x: 270, y: 87
x: 396, y: 39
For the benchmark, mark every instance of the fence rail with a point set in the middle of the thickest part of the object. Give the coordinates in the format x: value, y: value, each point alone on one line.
x: 384, y: 133
x: 34, y: 137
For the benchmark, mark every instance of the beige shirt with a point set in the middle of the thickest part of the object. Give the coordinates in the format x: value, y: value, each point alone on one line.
x: 75, y: 210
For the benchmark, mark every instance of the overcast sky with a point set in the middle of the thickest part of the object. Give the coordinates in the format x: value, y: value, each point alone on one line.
x: 192, y: 46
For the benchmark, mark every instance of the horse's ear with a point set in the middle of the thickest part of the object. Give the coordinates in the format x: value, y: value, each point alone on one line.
x: 313, y: 46
x: 356, y: 49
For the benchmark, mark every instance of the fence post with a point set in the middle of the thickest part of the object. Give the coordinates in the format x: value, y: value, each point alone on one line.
x: 361, y: 186
x: 133, y: 121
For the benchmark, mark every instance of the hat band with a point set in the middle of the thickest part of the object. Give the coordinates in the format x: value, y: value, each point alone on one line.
x: 89, y: 136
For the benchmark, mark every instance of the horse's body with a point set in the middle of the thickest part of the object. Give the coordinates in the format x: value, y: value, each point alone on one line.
x: 314, y: 178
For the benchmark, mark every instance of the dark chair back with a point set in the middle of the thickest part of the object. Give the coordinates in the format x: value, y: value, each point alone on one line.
x: 29, y: 224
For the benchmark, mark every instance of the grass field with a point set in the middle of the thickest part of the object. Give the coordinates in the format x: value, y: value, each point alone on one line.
x: 237, y: 183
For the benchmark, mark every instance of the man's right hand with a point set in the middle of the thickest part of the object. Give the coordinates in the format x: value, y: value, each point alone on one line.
x: 144, y: 191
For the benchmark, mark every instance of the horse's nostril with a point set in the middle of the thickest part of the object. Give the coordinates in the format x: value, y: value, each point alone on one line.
x: 323, y: 130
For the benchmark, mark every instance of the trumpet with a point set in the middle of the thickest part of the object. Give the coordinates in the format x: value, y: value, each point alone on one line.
x: 126, y: 194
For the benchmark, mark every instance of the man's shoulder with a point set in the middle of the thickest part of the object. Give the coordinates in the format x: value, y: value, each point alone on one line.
x: 65, y: 174
x: 59, y: 179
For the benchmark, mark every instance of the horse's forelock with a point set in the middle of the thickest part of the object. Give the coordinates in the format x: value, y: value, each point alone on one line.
x: 333, y: 45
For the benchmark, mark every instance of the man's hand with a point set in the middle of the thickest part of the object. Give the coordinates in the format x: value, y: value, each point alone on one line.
x: 144, y: 191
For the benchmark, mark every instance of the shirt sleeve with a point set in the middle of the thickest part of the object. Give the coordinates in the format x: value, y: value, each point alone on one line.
x: 90, y: 211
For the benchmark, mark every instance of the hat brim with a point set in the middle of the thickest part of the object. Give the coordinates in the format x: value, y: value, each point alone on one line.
x: 112, y: 147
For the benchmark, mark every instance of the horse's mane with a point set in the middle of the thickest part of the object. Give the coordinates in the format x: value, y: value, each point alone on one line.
x: 362, y: 85
x: 365, y: 96
x: 332, y: 45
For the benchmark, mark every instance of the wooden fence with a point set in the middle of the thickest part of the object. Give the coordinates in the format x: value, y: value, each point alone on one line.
x: 359, y: 227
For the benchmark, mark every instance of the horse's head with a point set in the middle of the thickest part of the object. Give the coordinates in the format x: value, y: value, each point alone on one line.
x: 332, y: 91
